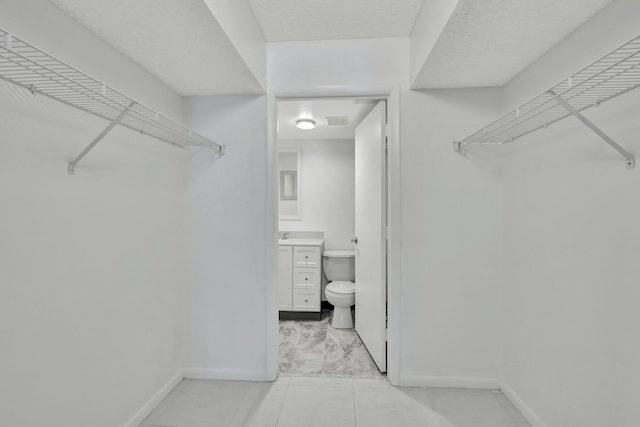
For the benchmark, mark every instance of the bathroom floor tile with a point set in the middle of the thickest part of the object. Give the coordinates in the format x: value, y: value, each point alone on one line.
x: 315, y: 348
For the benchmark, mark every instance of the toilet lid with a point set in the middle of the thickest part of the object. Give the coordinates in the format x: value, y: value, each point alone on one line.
x: 342, y: 287
x: 339, y: 254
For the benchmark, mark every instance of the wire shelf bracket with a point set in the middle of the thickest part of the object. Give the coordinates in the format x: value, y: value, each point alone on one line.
x: 72, y: 165
x: 610, y: 76
x: 631, y: 161
x: 42, y: 74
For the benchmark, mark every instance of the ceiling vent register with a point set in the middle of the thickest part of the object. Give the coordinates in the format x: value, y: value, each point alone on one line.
x: 337, y: 121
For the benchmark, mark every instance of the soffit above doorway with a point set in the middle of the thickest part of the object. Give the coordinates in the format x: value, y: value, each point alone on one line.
x: 303, y: 20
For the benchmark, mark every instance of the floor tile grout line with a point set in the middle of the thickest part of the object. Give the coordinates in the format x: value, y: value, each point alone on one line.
x: 286, y: 393
x: 161, y: 407
x: 355, y: 416
x: 507, y: 410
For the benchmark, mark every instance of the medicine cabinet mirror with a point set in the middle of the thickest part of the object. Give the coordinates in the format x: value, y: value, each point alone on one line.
x: 289, y: 172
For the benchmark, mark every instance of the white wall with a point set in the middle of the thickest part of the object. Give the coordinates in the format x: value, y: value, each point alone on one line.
x: 328, y: 191
x: 91, y: 267
x: 571, y: 244
x: 91, y: 264
x: 451, y: 243
x: 226, y: 289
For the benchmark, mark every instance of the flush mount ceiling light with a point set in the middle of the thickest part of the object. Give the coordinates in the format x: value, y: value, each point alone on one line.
x: 305, y: 124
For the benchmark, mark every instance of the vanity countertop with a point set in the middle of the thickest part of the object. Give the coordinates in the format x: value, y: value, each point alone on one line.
x: 301, y: 242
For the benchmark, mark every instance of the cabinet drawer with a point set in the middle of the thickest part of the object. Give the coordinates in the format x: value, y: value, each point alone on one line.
x: 306, y: 278
x: 306, y: 256
x: 306, y: 299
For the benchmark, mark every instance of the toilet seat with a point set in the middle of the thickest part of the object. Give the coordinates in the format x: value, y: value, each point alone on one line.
x: 340, y: 287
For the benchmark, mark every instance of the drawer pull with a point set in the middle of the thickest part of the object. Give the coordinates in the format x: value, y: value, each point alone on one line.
x: 306, y: 278
x: 306, y: 300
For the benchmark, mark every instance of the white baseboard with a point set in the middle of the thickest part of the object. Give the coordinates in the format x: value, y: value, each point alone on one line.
x: 155, y: 400
x: 406, y: 381
x: 524, y: 409
x: 225, y: 374
x: 450, y: 382
x: 192, y: 374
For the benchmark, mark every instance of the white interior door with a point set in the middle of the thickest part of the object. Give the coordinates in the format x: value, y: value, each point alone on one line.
x: 371, y: 246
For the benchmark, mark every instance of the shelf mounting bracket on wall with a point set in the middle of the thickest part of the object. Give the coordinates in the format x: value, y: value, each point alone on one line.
x: 72, y: 165
x: 31, y: 68
x: 631, y: 161
x: 613, y: 75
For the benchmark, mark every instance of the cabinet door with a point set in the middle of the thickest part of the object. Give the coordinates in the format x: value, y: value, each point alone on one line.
x: 285, y: 278
x: 306, y: 256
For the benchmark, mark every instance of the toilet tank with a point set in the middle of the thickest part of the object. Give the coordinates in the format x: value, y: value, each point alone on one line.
x: 339, y: 265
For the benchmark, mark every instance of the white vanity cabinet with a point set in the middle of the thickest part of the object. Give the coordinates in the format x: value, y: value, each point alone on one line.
x: 285, y: 277
x: 299, y: 277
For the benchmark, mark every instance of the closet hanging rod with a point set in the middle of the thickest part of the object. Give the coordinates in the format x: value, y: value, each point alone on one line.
x: 610, y: 76
x: 29, y: 67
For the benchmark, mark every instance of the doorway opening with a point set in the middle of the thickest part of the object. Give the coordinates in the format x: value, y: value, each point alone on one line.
x: 332, y: 206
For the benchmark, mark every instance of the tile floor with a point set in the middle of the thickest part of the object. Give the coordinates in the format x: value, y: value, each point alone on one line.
x: 316, y: 349
x: 330, y: 402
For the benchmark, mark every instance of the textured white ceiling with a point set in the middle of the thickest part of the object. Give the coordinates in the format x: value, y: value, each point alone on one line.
x: 487, y: 43
x: 179, y: 41
x: 297, y: 20
x: 317, y: 109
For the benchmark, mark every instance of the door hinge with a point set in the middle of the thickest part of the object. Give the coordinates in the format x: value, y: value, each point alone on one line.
x: 386, y: 334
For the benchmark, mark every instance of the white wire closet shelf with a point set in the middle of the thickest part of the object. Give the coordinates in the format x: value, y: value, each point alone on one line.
x: 607, y: 78
x: 25, y: 65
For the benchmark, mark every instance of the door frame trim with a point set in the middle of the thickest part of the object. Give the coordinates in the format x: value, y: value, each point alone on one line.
x: 393, y: 220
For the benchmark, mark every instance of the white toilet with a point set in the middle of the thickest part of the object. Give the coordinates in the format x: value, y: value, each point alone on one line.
x: 339, y: 269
